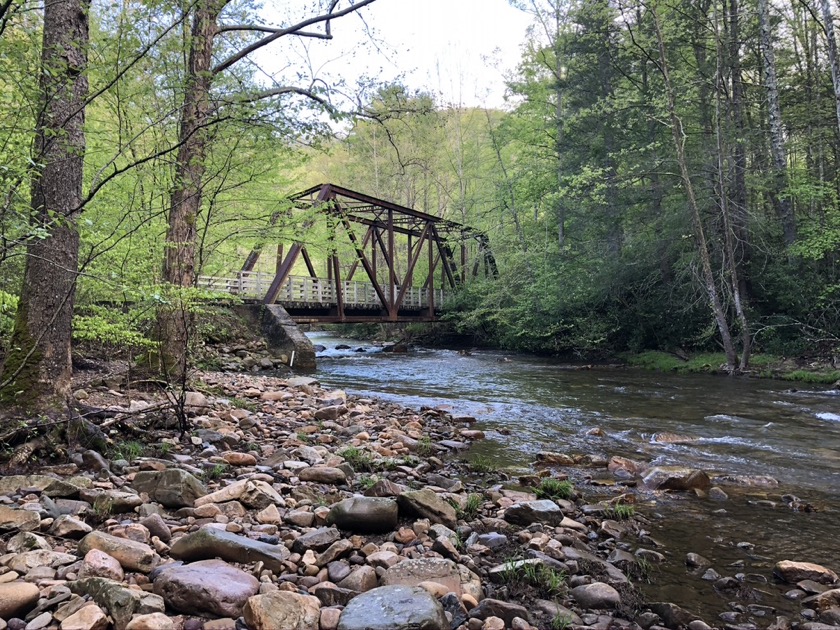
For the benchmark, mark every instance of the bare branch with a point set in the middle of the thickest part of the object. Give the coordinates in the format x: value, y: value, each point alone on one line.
x: 295, y: 29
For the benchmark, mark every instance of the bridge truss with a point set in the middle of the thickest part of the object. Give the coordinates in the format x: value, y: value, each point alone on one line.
x: 401, y: 265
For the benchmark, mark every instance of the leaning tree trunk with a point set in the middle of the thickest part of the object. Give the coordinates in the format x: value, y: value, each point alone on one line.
x: 699, y: 233
x: 175, y: 320
x: 782, y: 205
x: 37, y: 370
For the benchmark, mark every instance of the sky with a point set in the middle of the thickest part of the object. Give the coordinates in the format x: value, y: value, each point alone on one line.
x: 458, y: 49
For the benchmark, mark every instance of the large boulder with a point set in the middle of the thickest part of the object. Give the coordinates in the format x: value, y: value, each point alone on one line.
x: 52, y: 487
x: 677, y: 478
x: 282, y: 609
x: 12, y: 519
x: 527, y: 512
x: 254, y: 493
x: 596, y: 596
x: 17, y: 599
x: 393, y: 608
x: 455, y: 578
x: 364, y: 514
x: 173, y: 487
x: 793, y: 572
x: 211, y: 542
x: 428, y: 504
x: 120, y: 602
x: 208, y: 586
x: 132, y: 555
x: 323, y: 474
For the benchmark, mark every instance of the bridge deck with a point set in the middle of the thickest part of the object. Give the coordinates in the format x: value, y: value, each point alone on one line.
x: 309, y: 299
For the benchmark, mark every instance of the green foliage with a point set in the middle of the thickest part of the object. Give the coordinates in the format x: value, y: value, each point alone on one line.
x: 359, y: 459
x: 471, y: 508
x: 8, y: 307
x: 129, y: 450
x: 554, y: 489
x: 111, y: 328
x: 483, y: 464
x: 216, y: 472
x: 425, y: 448
x: 621, y: 511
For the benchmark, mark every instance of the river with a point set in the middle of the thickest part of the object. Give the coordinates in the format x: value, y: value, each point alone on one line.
x: 742, y: 426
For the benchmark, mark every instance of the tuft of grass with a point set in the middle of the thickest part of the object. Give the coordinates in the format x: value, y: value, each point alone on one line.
x: 554, y: 489
x: 621, y: 511
x: 483, y: 464
x: 547, y: 581
x: 470, y: 509
x: 359, y: 459
x: 216, y: 472
x: 244, y: 403
x: 129, y: 450
x: 425, y: 448
x: 561, y: 622
x: 367, y: 481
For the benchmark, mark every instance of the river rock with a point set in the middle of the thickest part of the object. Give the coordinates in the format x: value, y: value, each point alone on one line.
x: 793, y: 572
x: 173, y: 487
x: 672, y: 615
x: 27, y: 541
x: 17, y: 598
x: 254, y: 493
x: 208, y: 586
x: 211, y: 542
x: 361, y: 580
x: 456, y: 578
x: 317, y: 540
x: 364, y: 514
x: 120, y: 602
x: 25, y: 562
x: 597, y: 596
x: 12, y: 519
x: 428, y: 504
x: 52, y: 487
x: 66, y: 526
x: 676, y: 478
x: 132, y: 555
x: 323, y: 474
x: 548, y: 458
x: 393, y: 608
x: 506, y: 611
x: 153, y: 621
x: 828, y: 599
x: 281, y: 609
x: 542, y: 511
x: 86, y: 618
x: 623, y: 467
x: 116, y: 502
x: 99, y: 564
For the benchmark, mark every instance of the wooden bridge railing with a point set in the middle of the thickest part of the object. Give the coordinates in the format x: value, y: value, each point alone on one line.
x: 305, y: 290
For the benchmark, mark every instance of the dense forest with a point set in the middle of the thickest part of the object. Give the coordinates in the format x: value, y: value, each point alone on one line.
x: 664, y: 175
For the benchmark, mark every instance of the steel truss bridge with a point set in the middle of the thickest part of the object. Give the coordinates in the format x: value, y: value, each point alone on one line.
x: 402, y: 263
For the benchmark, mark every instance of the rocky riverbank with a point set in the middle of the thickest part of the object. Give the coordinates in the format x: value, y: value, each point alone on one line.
x: 293, y: 507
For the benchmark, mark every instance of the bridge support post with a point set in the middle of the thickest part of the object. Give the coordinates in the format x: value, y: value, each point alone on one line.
x: 281, y: 333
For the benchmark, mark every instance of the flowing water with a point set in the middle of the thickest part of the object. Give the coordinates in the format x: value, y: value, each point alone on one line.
x: 741, y: 427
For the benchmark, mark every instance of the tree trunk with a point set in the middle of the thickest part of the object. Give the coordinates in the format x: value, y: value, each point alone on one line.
x: 175, y: 319
x: 699, y: 233
x: 782, y: 205
x: 738, y: 195
x: 37, y: 370
x: 828, y: 19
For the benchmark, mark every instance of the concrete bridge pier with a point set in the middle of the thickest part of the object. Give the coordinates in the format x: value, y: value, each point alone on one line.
x: 281, y: 333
